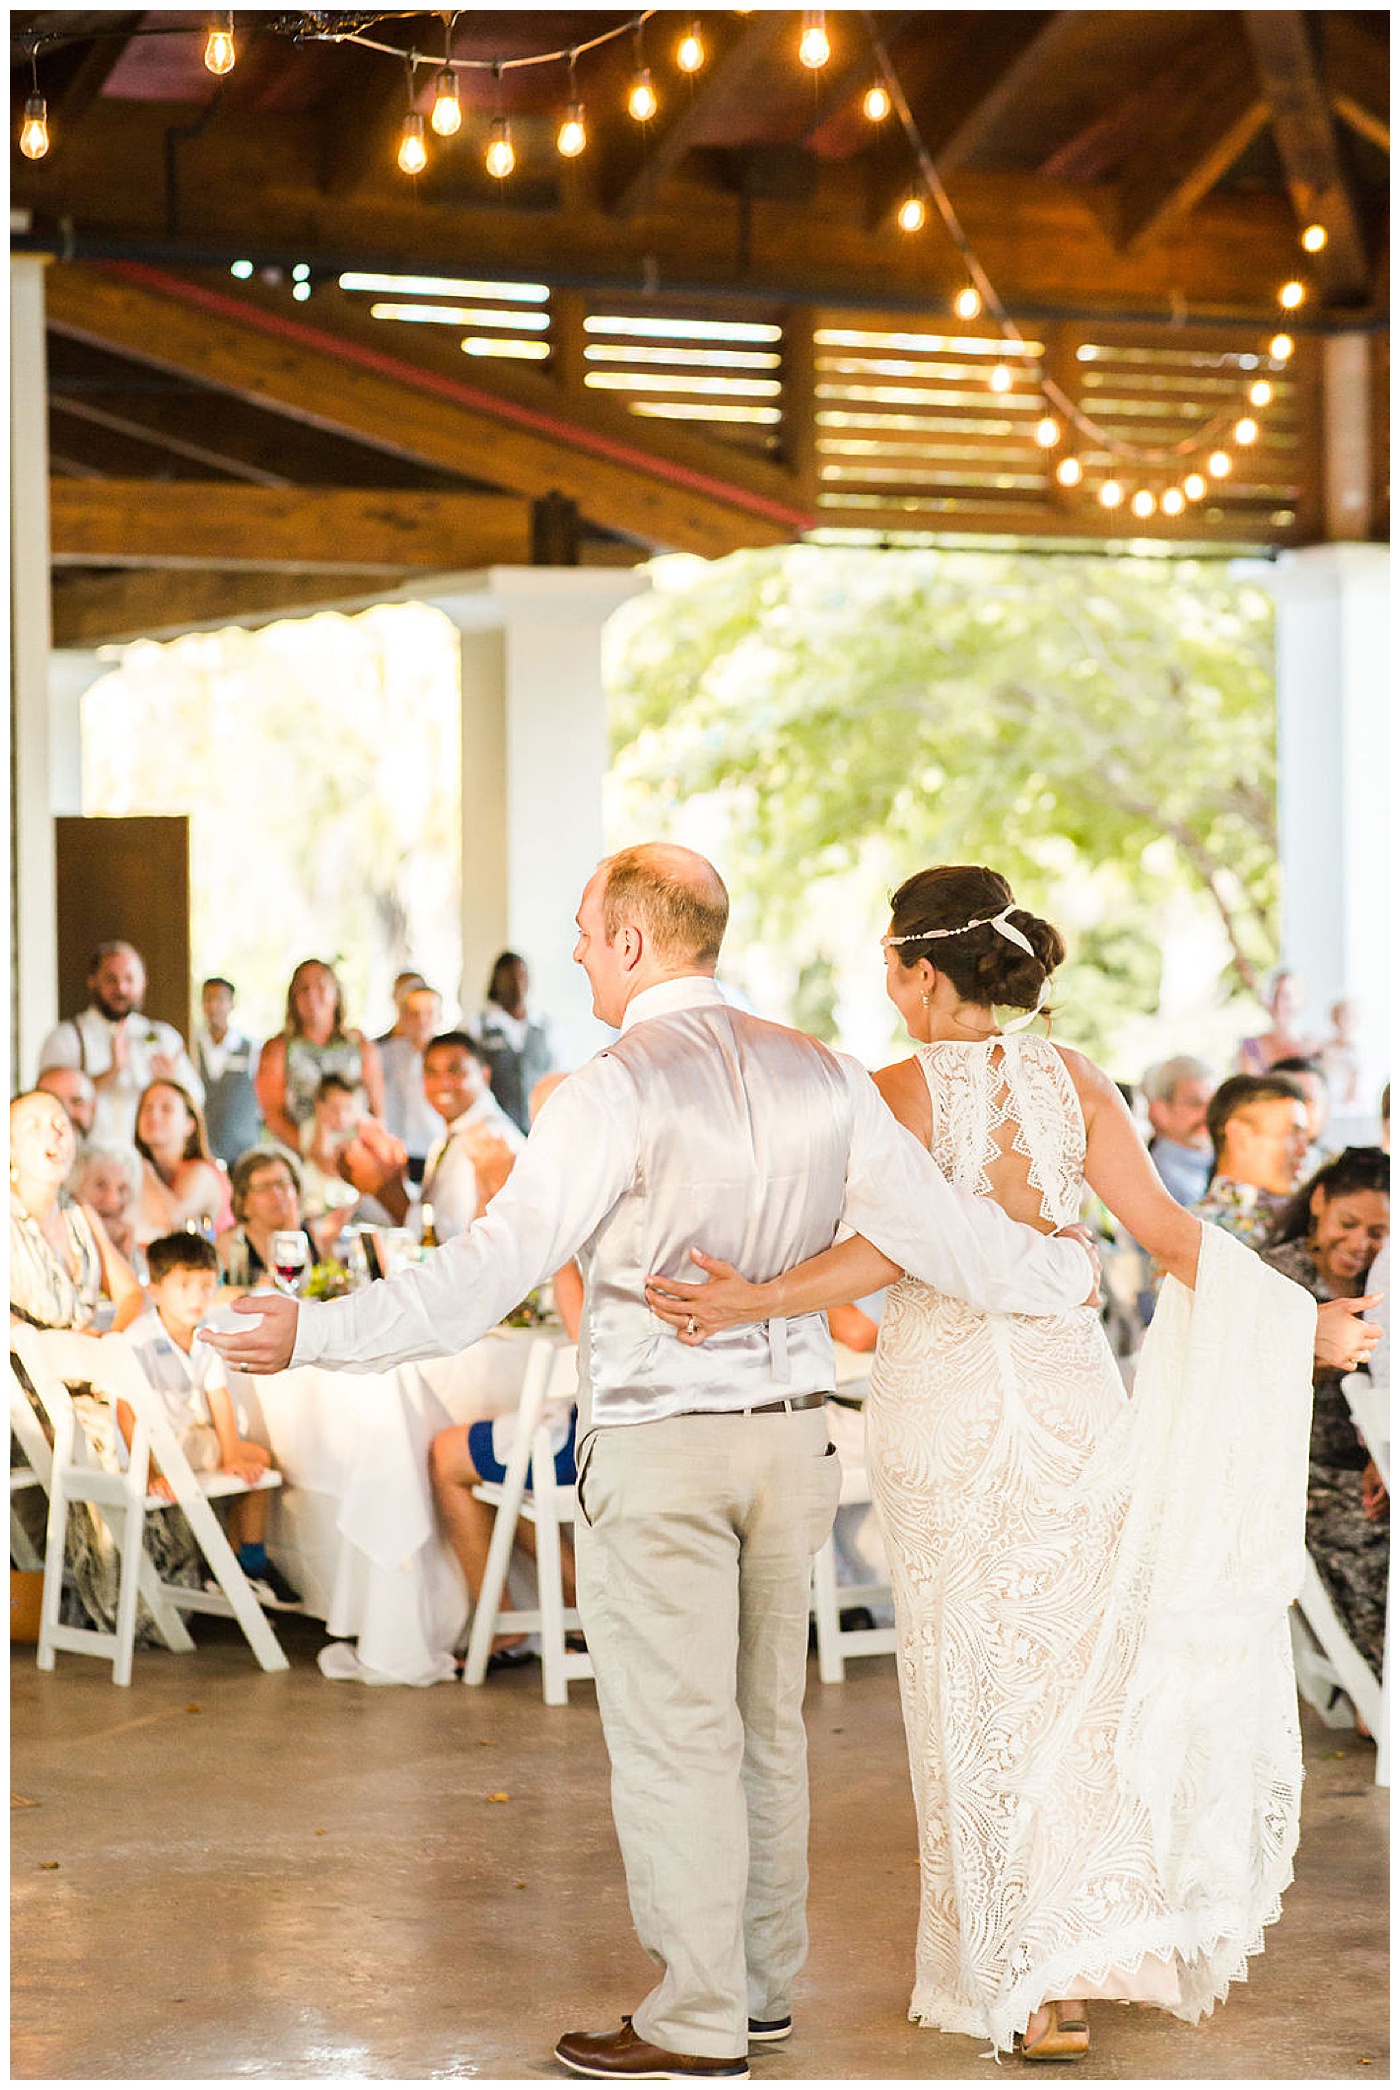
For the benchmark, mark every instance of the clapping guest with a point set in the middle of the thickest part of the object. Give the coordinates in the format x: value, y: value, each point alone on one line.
x: 1327, y: 1240
x: 116, y: 1045
x: 108, y: 1181
x: 179, y: 1181
x: 470, y: 1161
x: 313, y: 1043
x: 265, y: 1187
x: 328, y: 1196
x: 519, y: 1048
x: 408, y: 1115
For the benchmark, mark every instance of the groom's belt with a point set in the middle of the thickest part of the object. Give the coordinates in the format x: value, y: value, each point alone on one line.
x: 787, y: 1407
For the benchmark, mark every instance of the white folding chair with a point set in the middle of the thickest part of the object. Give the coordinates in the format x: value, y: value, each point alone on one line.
x: 1370, y: 1411
x: 1334, y: 1663
x: 123, y: 1500
x: 838, y: 1644
x: 551, y: 1374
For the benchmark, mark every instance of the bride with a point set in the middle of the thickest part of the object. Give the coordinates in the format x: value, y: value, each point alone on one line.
x: 1106, y: 1785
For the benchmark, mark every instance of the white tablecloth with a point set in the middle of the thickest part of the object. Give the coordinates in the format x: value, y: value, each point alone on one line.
x: 353, y: 1523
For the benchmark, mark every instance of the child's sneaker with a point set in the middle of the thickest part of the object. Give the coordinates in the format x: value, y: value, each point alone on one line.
x: 272, y: 1589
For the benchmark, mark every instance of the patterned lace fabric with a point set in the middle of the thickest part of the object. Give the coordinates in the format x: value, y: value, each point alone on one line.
x: 1002, y: 1453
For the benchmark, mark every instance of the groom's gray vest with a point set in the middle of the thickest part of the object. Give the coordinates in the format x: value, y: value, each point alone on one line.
x: 744, y: 1139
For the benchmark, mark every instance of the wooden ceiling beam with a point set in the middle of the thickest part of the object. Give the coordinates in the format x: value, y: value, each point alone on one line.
x: 189, y: 524
x: 88, y: 70
x: 1211, y: 108
x: 725, y: 87
x: 161, y: 439
x: 113, y: 609
x: 1290, y: 74
x: 1357, y: 66
x: 411, y: 413
x: 358, y: 124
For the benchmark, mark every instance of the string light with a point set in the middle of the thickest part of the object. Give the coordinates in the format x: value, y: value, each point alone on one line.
x: 1218, y: 464
x: 301, y: 292
x: 1069, y: 471
x: 447, y: 104
x: 242, y: 269
x: 1281, y: 347
x: 1246, y: 431
x: 1261, y: 392
x: 1173, y: 501
x: 1110, y: 494
x: 1291, y: 296
x: 690, y: 52
x: 1000, y: 379
x: 913, y: 214
x: 877, y: 102
x: 1314, y: 238
x: 641, y: 101
x: 500, y: 153
x: 219, y: 53
x: 815, y: 46
x: 34, y: 131
x: 1047, y: 432
x: 413, y: 153
x: 1144, y: 503
x: 573, y: 135
x: 968, y: 302
x: 1193, y: 486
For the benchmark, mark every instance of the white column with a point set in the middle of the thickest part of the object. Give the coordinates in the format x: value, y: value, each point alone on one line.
x: 35, y: 962
x: 72, y: 672
x: 1334, y: 813
x: 535, y: 751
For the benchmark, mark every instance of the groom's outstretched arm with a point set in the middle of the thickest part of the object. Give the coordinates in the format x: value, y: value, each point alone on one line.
x: 899, y: 1198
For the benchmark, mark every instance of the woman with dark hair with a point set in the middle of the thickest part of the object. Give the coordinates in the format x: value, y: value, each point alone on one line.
x: 1326, y: 1240
x: 179, y: 1179
x: 313, y: 1043
x: 1028, y: 1509
x: 517, y: 1047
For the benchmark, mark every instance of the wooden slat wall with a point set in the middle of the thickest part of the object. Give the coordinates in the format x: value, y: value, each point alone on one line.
x: 720, y: 373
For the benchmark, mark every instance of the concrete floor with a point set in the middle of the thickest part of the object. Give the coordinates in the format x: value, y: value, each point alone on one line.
x: 220, y: 1874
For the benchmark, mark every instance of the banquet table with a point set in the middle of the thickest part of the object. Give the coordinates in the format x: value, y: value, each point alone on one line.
x: 353, y: 1524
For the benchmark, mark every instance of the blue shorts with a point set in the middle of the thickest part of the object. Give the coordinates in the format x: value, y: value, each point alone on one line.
x: 481, y: 1443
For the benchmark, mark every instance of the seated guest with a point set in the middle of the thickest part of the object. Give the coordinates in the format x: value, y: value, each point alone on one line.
x: 265, y: 1189
x: 116, y: 1044
x: 226, y: 1058
x: 190, y: 1378
x: 469, y: 1163
x: 1178, y: 1092
x: 1317, y: 1099
x: 328, y: 1198
x: 62, y: 1262
x: 79, y: 1098
x: 1284, y: 998
x: 408, y: 1116
x: 1258, y: 1126
x: 312, y: 1043
x: 1327, y: 1240
x: 108, y: 1181
x: 519, y: 1047
x: 179, y: 1180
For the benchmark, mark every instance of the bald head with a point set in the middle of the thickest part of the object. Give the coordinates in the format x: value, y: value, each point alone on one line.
x: 675, y: 897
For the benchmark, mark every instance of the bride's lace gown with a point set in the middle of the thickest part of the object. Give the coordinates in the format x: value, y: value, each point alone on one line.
x: 988, y: 1437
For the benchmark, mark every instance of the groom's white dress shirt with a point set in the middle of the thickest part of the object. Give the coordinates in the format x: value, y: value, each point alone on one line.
x: 582, y: 1157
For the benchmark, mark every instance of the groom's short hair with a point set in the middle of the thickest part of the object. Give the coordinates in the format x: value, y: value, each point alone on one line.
x: 673, y: 895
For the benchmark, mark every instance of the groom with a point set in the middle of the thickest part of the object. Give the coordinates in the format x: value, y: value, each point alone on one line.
x: 706, y: 1481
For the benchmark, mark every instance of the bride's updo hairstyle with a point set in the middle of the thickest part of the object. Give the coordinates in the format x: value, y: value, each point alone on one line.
x: 984, y: 966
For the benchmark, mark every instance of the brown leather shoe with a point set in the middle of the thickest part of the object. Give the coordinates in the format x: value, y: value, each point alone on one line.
x: 625, y: 2054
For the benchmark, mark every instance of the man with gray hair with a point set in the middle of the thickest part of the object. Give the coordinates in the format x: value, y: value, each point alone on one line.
x: 705, y: 1477
x: 1178, y: 1092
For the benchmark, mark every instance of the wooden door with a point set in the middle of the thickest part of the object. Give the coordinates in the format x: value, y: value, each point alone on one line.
x: 126, y: 877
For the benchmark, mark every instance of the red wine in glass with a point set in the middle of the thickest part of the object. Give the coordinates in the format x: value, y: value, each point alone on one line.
x: 288, y: 1258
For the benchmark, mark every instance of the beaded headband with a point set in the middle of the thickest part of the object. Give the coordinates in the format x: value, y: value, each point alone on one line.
x: 1000, y: 922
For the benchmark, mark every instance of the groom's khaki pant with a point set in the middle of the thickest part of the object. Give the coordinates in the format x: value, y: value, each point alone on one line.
x: 694, y: 1552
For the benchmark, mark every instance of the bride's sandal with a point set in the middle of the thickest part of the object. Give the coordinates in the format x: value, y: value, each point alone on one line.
x: 1064, y: 2037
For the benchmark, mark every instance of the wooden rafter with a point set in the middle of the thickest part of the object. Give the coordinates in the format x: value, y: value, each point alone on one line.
x: 160, y: 439
x: 86, y: 73
x: 1290, y: 74
x: 357, y: 125
x: 726, y: 85
x: 1357, y: 67
x: 112, y: 609
x: 1210, y: 108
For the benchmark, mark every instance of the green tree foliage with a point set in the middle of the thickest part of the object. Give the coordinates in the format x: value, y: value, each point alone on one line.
x: 1088, y: 726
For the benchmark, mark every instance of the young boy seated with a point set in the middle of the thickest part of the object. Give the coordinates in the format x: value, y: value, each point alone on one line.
x: 189, y: 1377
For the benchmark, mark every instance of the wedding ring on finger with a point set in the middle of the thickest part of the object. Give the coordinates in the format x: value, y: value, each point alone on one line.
x: 692, y: 1326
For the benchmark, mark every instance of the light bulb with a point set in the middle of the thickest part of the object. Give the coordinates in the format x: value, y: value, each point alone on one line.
x: 1000, y: 379
x: 301, y: 292
x: 815, y: 46
x: 968, y: 303
x: 242, y: 269
x: 302, y: 272
x: 1261, y: 393
x: 1314, y: 238
x: 1069, y: 471
x: 1281, y: 347
x: 1144, y: 503
x: 641, y: 101
x: 1047, y: 432
x: 34, y: 131
x: 219, y: 53
x: 1291, y: 296
x: 573, y: 137
x: 1218, y: 464
x: 413, y: 153
x: 447, y: 104
x: 1246, y: 431
x: 500, y: 153
x: 913, y: 214
x: 690, y: 52
x: 1193, y: 486
x: 1110, y: 494
x: 1173, y: 501
x: 877, y: 103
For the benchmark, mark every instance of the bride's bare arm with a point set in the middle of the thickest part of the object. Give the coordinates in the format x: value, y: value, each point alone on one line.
x: 1118, y: 1168
x: 833, y: 1278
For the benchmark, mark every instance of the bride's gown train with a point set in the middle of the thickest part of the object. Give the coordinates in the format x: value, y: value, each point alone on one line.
x: 1091, y: 1600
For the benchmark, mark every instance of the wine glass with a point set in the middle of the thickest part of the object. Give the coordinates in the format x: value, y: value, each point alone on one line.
x: 289, y: 1259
